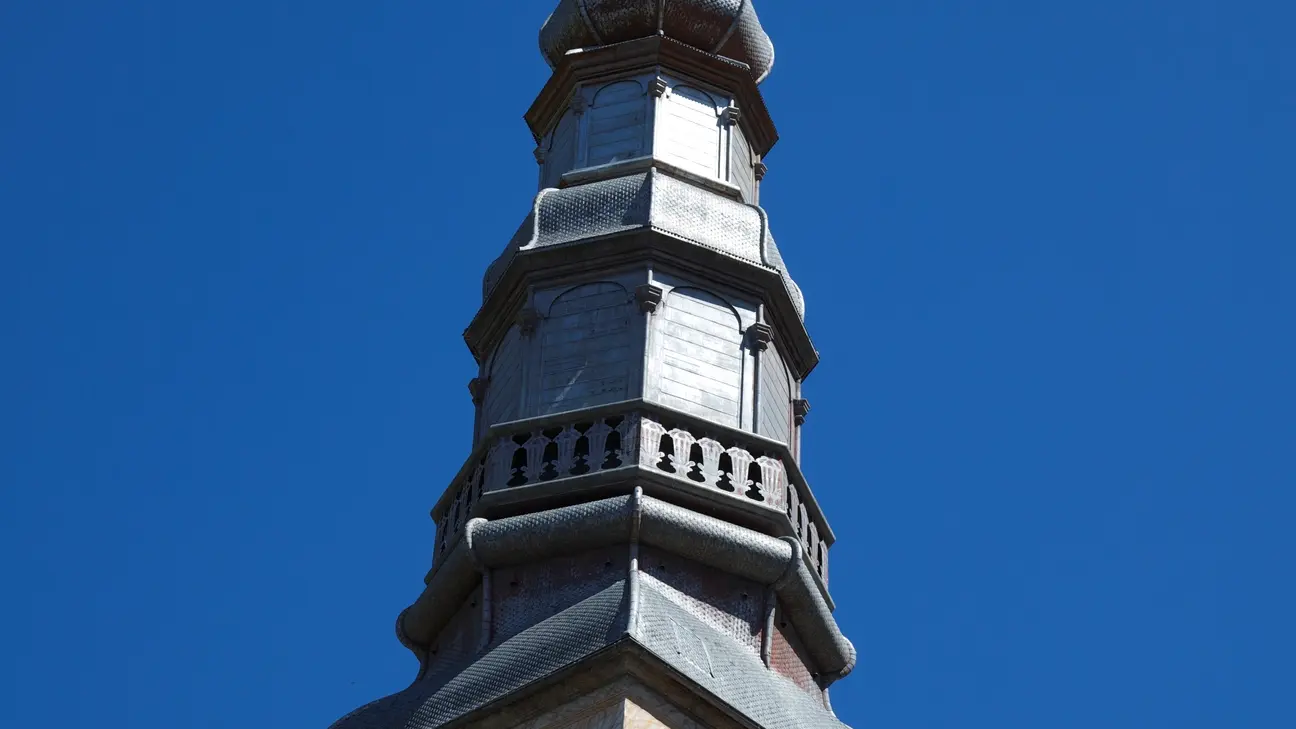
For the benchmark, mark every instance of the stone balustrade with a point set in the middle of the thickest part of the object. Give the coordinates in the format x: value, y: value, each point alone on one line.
x: 674, y: 444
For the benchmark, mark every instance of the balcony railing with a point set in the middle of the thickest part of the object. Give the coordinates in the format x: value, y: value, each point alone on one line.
x: 712, y: 457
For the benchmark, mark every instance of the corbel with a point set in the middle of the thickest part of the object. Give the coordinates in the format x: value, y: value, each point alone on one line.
x: 760, y: 335
x: 528, y: 320
x: 477, y: 388
x: 800, y: 409
x: 649, y: 297
x: 578, y: 103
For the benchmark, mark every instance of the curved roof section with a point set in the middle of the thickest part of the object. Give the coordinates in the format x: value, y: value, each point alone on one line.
x: 647, y: 200
x: 726, y: 28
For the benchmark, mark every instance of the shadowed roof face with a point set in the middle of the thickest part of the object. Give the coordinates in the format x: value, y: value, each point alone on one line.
x: 727, y: 28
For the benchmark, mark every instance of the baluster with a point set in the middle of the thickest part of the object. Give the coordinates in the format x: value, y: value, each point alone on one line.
x: 794, y: 508
x: 813, y: 550
x: 628, y: 428
x: 566, y: 441
x: 740, y: 478
x: 535, y: 463
x: 651, y: 433
x: 682, y: 442
x: 475, y: 481
x: 499, y: 464
x: 598, y: 435
x: 711, y: 452
x: 773, y: 480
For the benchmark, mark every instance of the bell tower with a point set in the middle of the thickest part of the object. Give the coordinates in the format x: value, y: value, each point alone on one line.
x: 631, y: 542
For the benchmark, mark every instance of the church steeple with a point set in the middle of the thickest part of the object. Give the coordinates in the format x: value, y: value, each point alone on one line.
x: 632, y: 535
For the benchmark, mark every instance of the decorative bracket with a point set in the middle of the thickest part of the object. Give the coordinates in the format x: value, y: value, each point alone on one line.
x: 658, y: 88
x: 760, y: 169
x: 477, y: 388
x: 760, y: 336
x: 649, y: 297
x: 527, y: 321
x: 800, y: 409
x: 730, y: 116
x: 539, y: 155
x: 579, y: 104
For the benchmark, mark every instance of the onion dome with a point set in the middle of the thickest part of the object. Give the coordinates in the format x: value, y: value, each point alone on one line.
x: 726, y: 28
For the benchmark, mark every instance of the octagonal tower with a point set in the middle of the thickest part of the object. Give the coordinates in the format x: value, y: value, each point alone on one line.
x: 631, y: 541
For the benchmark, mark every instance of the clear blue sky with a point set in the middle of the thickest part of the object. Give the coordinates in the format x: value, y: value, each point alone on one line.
x: 1048, y: 253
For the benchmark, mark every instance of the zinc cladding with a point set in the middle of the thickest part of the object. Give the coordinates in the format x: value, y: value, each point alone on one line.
x: 649, y: 200
x: 728, y: 28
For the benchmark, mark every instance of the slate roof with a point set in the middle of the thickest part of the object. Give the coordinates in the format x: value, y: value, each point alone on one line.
x: 716, y: 662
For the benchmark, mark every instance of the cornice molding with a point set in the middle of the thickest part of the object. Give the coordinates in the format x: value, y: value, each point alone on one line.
x: 645, y: 54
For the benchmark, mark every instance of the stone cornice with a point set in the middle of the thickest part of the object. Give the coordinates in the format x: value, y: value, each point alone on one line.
x: 645, y: 54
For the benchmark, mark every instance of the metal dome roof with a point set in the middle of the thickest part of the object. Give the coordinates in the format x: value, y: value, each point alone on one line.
x: 727, y: 28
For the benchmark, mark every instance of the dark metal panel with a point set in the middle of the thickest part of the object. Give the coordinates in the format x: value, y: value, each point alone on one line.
x: 504, y: 389
x: 586, y: 351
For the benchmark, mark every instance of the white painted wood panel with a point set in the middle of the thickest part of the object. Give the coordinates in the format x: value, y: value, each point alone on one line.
x: 700, y: 356
x: 690, y: 130
x: 587, y: 354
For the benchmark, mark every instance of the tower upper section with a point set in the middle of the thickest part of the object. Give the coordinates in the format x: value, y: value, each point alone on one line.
x: 632, y: 516
x: 726, y: 28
